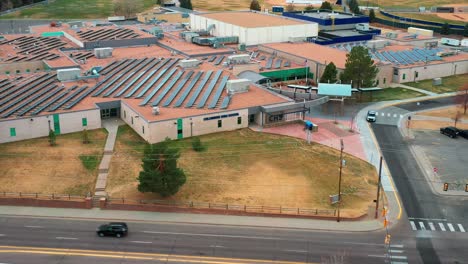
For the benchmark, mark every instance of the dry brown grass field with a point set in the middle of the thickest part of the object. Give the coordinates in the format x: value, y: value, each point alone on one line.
x: 246, y: 167
x: 33, y: 166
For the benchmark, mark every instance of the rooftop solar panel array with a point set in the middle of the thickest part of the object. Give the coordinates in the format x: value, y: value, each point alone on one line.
x: 210, y: 88
x: 179, y: 87
x: 49, y: 103
x: 225, y: 102
x: 218, y: 92
x: 29, y: 100
x: 158, y: 87
x: 199, y: 89
x: 66, y: 99
x: 187, y: 90
x: 167, y: 89
x: 37, y: 103
x: 160, y: 74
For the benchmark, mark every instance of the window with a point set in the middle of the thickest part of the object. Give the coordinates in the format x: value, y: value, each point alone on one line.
x: 84, y: 121
x: 143, y: 129
x: 220, y: 123
x: 125, y: 114
x: 7, y: 72
x: 18, y: 71
x: 12, y: 132
x: 239, y: 120
x: 28, y: 70
x: 404, y: 76
x: 132, y: 120
x: 416, y: 74
x: 384, y: 80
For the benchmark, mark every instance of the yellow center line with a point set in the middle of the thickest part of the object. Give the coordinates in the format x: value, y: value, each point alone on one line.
x: 134, y: 255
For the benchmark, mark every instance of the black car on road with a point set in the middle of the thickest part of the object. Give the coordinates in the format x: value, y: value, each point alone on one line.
x: 112, y: 229
x: 463, y: 133
x: 450, y: 131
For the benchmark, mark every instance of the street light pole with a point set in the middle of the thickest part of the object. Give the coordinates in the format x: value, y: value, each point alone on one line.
x: 339, y: 180
x: 378, y: 189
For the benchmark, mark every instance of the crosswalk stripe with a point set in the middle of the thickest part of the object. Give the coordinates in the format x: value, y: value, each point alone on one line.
x: 394, y: 115
x: 395, y: 251
x: 388, y: 114
x: 396, y: 246
x: 401, y: 116
x: 382, y: 114
x: 423, y: 227
x: 413, y: 226
x: 442, y: 227
x: 431, y: 225
x: 398, y: 262
x: 461, y: 228
x: 451, y: 227
x: 398, y: 257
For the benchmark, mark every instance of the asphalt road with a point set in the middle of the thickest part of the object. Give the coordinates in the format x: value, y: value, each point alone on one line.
x: 420, y: 203
x: 177, y: 241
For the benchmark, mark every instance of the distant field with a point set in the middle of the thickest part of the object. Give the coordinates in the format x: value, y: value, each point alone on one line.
x: 449, y: 84
x: 413, y: 3
x: 389, y: 94
x: 71, y: 9
x: 429, y: 17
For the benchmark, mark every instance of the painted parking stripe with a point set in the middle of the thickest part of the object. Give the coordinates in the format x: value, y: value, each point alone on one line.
x: 395, y: 251
x: 30, y: 226
x: 431, y: 225
x: 396, y: 246
x: 398, y: 262
x: 67, y: 238
x: 295, y: 250
x: 413, y: 226
x: 442, y: 227
x: 398, y: 257
x: 382, y: 114
x: 423, y: 227
x: 451, y: 227
x: 394, y: 115
x: 461, y: 228
x: 142, y: 242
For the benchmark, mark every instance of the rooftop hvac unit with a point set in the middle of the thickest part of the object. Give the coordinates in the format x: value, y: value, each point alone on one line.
x: 237, y: 86
x: 239, y: 59
x: 189, y: 63
x: 155, y: 110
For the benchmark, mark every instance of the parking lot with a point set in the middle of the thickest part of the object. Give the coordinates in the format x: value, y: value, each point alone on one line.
x: 449, y: 156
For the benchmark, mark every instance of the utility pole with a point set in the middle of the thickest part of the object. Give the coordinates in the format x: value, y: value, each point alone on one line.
x: 378, y: 189
x: 339, y: 180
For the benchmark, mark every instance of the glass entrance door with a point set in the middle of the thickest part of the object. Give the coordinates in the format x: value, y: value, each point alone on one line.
x: 105, y: 113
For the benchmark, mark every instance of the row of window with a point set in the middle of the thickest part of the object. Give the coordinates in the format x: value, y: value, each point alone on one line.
x: 84, y: 122
x: 19, y: 71
x: 239, y: 121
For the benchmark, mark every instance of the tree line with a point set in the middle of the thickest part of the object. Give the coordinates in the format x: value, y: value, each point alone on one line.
x: 10, y: 4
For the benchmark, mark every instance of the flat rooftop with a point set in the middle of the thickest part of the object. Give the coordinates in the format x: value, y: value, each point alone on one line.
x: 252, y: 19
x: 326, y: 15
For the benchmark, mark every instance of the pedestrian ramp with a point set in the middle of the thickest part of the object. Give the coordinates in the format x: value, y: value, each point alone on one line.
x: 436, y: 225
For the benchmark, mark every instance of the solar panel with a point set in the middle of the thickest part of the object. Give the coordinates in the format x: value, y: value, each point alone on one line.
x: 40, y: 109
x: 187, y: 91
x: 269, y: 62
x: 160, y: 74
x: 212, y: 58
x: 217, y: 95
x: 26, y: 102
x: 25, y: 95
x: 179, y: 87
x: 81, y: 97
x: 219, y: 60
x: 107, y: 85
x: 35, y: 104
x: 129, y: 84
x: 111, y: 67
x: 208, y: 91
x: 287, y: 64
x: 122, y: 67
x: 66, y: 99
x: 167, y: 89
x: 146, y: 78
x: 225, y: 102
x: 156, y: 89
x: 111, y: 91
x: 199, y: 88
x: 6, y: 88
x: 32, y: 83
x: 278, y: 63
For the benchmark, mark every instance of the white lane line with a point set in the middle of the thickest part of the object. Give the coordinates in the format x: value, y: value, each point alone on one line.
x: 67, y: 238
x: 461, y: 228
x: 217, y: 246
x: 1, y: 236
x: 397, y: 246
x: 395, y: 251
x: 377, y: 256
x: 451, y: 227
x: 431, y: 225
x: 423, y: 227
x: 428, y: 219
x: 442, y: 227
x: 142, y: 242
x: 34, y: 226
x: 413, y: 226
x: 295, y: 250
x: 398, y: 257
x: 397, y: 262
x: 209, y: 235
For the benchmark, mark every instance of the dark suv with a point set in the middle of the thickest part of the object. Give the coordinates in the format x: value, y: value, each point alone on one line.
x: 450, y: 131
x: 112, y: 229
x: 463, y: 133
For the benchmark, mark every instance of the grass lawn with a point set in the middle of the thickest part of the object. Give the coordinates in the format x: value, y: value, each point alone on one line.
x: 245, y: 167
x: 71, y: 9
x: 389, y: 94
x: 413, y: 3
x: 33, y: 166
x: 429, y: 17
x: 449, y: 84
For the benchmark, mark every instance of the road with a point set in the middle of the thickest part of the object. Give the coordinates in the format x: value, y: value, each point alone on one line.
x: 179, y: 243
x: 438, y: 221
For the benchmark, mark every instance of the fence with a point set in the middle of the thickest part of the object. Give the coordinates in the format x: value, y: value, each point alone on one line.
x: 52, y: 196
x: 400, y: 24
x: 45, y: 200
x: 228, y: 207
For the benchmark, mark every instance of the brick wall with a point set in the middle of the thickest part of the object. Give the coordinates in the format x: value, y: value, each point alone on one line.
x: 79, y: 204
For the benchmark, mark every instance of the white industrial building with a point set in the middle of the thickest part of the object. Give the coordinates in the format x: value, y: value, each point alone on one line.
x: 253, y: 28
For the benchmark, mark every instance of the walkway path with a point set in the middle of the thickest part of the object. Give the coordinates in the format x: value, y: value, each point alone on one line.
x: 413, y: 88
x: 111, y: 125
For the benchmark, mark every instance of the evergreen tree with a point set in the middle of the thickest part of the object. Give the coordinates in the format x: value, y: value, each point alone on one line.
x: 255, y: 5
x: 359, y: 68
x: 445, y: 30
x: 465, y: 31
x: 329, y: 74
x: 326, y: 5
x: 52, y: 138
x: 354, y: 6
x: 186, y: 4
x: 372, y: 15
x: 309, y: 8
x: 160, y: 173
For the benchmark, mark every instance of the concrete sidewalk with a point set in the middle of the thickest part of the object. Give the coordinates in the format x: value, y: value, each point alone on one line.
x: 245, y: 221
x: 413, y: 89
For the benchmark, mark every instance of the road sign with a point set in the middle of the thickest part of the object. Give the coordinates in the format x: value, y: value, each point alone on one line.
x: 435, y: 170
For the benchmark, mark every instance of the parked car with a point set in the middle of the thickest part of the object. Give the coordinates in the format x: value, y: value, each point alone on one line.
x: 371, y: 116
x: 112, y: 229
x: 450, y: 131
x: 463, y: 133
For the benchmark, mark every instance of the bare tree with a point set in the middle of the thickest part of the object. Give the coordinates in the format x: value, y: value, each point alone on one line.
x: 290, y: 7
x: 128, y: 8
x: 462, y: 97
x: 457, y: 118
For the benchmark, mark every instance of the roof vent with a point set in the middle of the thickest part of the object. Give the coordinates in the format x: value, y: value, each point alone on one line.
x: 155, y: 110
